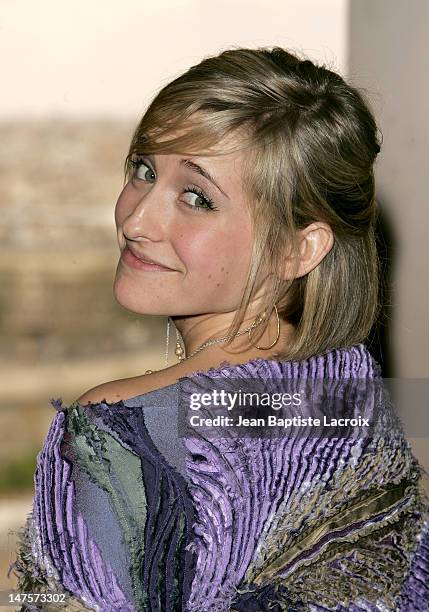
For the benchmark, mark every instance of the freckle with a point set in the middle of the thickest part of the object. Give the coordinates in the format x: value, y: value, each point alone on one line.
x: 217, y: 284
x: 209, y: 276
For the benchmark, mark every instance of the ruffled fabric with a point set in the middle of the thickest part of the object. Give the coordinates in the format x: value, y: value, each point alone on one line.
x: 263, y: 523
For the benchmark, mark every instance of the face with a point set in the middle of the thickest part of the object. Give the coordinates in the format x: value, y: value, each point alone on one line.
x: 190, y: 215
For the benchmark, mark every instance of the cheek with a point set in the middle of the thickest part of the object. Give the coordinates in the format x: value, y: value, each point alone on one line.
x: 219, y: 259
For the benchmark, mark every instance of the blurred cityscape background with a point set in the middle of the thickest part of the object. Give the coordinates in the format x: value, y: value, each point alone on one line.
x: 77, y: 77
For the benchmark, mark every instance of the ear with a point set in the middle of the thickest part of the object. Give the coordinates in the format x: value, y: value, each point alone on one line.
x: 314, y: 242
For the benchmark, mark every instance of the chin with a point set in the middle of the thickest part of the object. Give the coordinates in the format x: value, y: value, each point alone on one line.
x: 126, y: 296
x: 141, y: 301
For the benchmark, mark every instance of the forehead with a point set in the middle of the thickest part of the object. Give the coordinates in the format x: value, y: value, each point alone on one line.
x: 222, y: 153
x: 219, y: 163
x: 223, y: 162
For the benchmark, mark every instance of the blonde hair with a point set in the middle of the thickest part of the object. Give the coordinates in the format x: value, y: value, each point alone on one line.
x: 311, y: 142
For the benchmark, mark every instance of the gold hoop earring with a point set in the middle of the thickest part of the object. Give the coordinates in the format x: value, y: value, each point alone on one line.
x: 258, y: 320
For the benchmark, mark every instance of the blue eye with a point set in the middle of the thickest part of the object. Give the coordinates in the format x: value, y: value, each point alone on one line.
x: 142, y: 170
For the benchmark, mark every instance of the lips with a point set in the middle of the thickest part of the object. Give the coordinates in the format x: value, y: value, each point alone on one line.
x: 146, y: 258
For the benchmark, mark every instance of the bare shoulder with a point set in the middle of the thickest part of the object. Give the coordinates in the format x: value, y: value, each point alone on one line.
x: 110, y: 392
x: 125, y: 388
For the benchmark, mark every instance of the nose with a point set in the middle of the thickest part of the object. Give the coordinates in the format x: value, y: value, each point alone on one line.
x: 148, y: 217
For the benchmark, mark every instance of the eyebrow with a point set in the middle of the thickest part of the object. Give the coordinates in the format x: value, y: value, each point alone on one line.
x: 196, y: 168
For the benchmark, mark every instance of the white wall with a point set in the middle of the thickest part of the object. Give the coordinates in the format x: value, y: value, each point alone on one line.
x: 108, y: 57
x: 389, y: 56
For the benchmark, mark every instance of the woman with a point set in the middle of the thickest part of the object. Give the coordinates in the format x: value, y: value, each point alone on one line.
x: 248, y: 219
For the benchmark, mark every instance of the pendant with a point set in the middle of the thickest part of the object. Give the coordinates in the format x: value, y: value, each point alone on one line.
x: 179, y: 352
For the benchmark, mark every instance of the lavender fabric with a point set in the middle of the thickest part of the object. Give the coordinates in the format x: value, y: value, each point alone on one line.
x: 129, y: 515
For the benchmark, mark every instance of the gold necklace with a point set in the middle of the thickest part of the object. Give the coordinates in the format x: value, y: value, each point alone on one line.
x: 180, y: 352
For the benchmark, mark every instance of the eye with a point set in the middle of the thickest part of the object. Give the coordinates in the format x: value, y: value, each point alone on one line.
x: 142, y: 170
x: 197, y: 199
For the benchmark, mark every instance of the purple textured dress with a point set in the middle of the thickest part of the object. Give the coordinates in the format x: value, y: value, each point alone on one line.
x: 129, y: 515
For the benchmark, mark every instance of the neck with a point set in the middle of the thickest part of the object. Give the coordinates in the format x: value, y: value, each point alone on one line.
x: 196, y: 330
